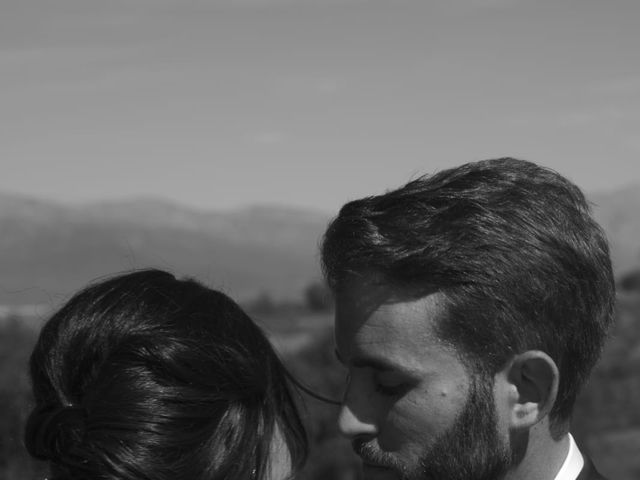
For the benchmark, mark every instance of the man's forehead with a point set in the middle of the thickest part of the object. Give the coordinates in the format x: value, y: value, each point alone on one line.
x: 379, y: 305
x: 397, y: 333
x: 362, y: 295
x: 361, y: 298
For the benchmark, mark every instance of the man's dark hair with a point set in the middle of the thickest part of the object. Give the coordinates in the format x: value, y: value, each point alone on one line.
x: 147, y: 376
x: 513, y: 248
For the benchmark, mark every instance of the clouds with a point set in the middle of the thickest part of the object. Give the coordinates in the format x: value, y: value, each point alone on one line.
x: 269, y: 137
x: 620, y: 85
x: 399, y: 3
x: 404, y: 85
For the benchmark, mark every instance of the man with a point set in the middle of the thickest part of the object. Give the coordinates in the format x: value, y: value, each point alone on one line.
x: 471, y: 306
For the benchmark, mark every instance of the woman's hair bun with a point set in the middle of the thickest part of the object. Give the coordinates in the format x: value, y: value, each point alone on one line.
x: 53, y: 431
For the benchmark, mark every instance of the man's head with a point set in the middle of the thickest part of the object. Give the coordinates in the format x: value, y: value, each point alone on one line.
x: 491, y: 271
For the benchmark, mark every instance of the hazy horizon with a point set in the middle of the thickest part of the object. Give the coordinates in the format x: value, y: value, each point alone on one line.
x: 258, y: 204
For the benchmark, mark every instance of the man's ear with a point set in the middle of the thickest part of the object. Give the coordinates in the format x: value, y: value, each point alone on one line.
x: 533, y: 377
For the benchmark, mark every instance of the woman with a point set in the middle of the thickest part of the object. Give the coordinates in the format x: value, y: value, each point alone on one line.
x: 144, y: 376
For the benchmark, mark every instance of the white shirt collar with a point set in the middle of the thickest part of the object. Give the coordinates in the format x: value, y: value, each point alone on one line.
x: 573, y: 464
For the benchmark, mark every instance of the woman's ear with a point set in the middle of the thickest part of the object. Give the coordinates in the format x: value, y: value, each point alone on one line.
x: 533, y: 377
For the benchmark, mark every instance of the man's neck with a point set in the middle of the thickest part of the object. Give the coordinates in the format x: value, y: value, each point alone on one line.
x: 542, y: 458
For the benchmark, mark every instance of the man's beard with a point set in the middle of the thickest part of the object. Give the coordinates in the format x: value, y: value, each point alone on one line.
x: 470, y: 450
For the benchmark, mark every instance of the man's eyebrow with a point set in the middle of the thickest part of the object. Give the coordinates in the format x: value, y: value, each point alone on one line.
x: 368, y: 362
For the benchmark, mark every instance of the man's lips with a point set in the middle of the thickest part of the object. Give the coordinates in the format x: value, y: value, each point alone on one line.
x: 370, y: 461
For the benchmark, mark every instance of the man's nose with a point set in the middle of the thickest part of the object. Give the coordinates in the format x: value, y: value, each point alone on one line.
x: 353, y: 424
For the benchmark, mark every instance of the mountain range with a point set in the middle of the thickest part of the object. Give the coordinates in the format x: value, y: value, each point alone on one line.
x: 48, y: 250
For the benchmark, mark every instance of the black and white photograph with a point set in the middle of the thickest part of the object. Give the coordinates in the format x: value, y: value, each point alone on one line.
x: 319, y: 240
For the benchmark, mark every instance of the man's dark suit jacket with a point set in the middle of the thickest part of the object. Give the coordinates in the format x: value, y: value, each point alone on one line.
x: 589, y: 472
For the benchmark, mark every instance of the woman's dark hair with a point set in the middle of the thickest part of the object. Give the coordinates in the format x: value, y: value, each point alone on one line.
x: 511, y: 245
x: 144, y: 376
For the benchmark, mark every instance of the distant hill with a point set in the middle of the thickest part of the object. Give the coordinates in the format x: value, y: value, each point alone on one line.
x: 48, y: 250
x: 619, y: 214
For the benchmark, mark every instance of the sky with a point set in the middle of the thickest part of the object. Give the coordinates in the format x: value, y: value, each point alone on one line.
x: 309, y: 103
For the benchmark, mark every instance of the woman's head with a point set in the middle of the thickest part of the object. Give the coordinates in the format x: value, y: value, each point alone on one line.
x: 146, y: 376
